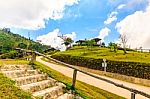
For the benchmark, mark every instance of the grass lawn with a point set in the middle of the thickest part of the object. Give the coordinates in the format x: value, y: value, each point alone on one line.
x: 97, y: 52
x: 12, y: 61
x: 85, y: 90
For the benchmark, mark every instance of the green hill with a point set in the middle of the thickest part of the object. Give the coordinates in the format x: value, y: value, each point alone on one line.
x: 133, y: 63
x: 100, y: 53
x: 10, y: 41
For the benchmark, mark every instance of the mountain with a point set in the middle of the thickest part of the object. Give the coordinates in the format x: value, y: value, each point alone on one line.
x: 9, y: 41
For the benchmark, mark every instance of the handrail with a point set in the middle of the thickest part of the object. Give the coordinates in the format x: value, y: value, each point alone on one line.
x: 135, y: 91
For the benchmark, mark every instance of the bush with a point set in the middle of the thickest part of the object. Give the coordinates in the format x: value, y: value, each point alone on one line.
x: 135, y: 69
x: 11, y: 55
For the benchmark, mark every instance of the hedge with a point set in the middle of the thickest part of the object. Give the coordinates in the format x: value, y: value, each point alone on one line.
x: 11, y: 55
x: 135, y: 69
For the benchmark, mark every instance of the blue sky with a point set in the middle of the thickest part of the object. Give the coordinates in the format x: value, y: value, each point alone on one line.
x: 84, y: 17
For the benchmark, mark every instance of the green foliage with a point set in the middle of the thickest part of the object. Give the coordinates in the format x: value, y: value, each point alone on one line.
x: 22, y: 45
x: 11, y: 55
x: 99, y: 52
x: 135, y: 69
x: 10, y: 41
x: 68, y: 41
x: 96, y: 39
x: 113, y: 46
x: 8, y: 90
x: 90, y: 43
x: 103, y: 44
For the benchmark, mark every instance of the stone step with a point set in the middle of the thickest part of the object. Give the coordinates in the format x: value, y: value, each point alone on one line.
x: 38, y: 85
x: 15, y: 67
x: 66, y: 96
x: 30, y: 79
x: 20, y: 73
x: 50, y: 93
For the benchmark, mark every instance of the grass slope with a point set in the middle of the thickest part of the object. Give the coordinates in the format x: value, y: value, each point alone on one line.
x: 12, y: 61
x: 8, y: 90
x: 97, y: 52
x: 85, y: 90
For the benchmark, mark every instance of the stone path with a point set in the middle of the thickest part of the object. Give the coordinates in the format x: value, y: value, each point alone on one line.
x: 98, y: 83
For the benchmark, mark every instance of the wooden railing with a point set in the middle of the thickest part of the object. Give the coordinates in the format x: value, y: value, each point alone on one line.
x: 133, y: 91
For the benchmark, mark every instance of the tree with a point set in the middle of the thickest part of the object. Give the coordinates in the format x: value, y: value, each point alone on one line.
x: 81, y: 42
x: 22, y: 45
x: 68, y: 42
x: 97, y: 39
x: 110, y: 45
x: 124, y: 40
x: 90, y: 43
x: 113, y: 46
x: 103, y: 44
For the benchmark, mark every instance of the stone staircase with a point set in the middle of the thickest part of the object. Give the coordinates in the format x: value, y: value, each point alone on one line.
x: 40, y: 85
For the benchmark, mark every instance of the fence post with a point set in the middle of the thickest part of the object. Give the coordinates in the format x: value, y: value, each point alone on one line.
x: 74, y: 78
x: 33, y: 58
x: 132, y: 95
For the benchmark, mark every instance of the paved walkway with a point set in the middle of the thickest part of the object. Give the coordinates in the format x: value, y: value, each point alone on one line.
x: 98, y: 83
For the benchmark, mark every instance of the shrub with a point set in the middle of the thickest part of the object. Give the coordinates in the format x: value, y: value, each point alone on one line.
x: 11, y: 55
x: 135, y: 69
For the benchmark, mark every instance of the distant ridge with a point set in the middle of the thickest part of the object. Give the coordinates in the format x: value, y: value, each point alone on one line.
x: 9, y: 41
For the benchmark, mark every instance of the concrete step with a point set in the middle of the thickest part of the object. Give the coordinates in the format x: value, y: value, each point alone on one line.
x: 66, y: 96
x: 20, y: 73
x: 15, y: 67
x: 30, y: 79
x: 38, y: 85
x: 50, y: 93
x: 33, y: 81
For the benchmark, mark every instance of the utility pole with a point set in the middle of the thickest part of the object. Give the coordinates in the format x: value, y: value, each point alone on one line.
x: 29, y: 40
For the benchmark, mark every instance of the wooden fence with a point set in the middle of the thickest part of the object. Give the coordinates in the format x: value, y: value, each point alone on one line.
x: 133, y: 91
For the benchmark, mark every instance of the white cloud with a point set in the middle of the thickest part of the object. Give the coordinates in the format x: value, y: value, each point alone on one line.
x: 133, y: 3
x: 72, y: 35
x: 104, y: 33
x: 53, y: 40
x: 31, y: 14
x: 110, y: 20
x: 137, y: 28
x: 114, y: 13
x: 112, y: 17
x: 121, y: 6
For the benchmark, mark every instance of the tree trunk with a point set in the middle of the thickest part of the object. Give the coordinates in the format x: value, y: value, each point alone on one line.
x: 125, y: 52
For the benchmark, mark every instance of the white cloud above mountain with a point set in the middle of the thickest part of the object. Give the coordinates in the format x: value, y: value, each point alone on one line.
x: 31, y: 14
x: 137, y: 28
x: 53, y: 40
